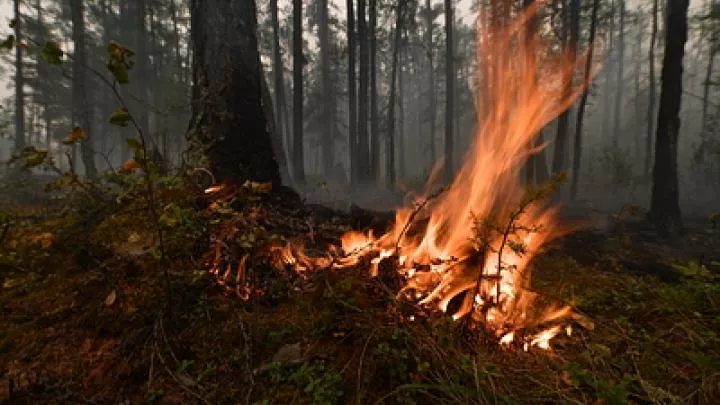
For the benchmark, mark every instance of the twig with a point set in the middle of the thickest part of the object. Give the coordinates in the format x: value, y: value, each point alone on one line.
x: 248, y: 368
x: 417, y: 210
x: 360, y: 366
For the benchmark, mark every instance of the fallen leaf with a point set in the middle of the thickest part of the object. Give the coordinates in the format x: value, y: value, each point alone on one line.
x: 74, y: 136
x: 111, y: 298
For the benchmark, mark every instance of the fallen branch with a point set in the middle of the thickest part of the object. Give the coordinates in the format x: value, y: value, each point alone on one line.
x: 417, y: 210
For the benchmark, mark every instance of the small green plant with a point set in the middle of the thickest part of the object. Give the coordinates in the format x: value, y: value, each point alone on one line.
x: 606, y: 391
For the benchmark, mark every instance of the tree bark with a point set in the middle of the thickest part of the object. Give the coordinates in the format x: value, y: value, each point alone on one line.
x: 374, y: 132
x: 363, y: 144
x: 81, y: 109
x: 352, y: 95
x: 664, y: 202
x: 572, y: 31
x: 619, y: 85
x: 328, y: 103
x: 19, y: 83
x: 651, y: 93
x: 431, y: 78
x: 449, y: 90
x: 391, y: 177
x: 577, y: 152
x: 228, y: 130
x: 298, y: 62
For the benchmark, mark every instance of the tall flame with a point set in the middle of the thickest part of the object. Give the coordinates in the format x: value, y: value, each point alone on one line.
x: 441, y: 260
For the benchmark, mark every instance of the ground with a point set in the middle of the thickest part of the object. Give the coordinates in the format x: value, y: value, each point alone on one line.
x: 85, y: 314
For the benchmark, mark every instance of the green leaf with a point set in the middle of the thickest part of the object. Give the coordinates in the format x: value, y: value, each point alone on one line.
x: 31, y: 156
x: 120, y: 72
x: 120, y: 117
x: 51, y: 53
x: 8, y: 43
x: 14, y: 23
x: 133, y: 144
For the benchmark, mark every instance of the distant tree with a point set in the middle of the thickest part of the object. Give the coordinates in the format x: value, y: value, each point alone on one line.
x: 651, y: 92
x: 363, y: 94
x: 228, y: 130
x: 352, y: 95
x: 578, y: 149
x: 298, y: 158
x: 664, y: 201
x: 449, y: 89
x: 81, y: 109
x: 19, y: 82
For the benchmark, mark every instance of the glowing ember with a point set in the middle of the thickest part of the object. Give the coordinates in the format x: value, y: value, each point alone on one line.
x: 444, y: 253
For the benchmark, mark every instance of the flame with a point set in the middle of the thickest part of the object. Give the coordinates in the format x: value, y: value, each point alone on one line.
x: 435, y: 242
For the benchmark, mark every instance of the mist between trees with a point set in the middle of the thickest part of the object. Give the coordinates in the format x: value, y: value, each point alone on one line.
x: 379, y: 107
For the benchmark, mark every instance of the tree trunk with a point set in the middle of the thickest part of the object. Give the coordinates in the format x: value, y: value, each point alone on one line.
x: 328, y: 103
x: 391, y: 106
x: 577, y: 152
x: 401, y: 121
x: 664, y: 202
x: 637, y: 139
x: 228, y: 130
x: 431, y: 78
x: 81, y: 109
x: 19, y: 83
x: 449, y: 90
x: 352, y: 96
x: 571, y: 32
x: 176, y: 34
x: 651, y: 93
x: 708, y: 79
x: 363, y: 94
x: 617, y: 114
x: 607, y: 108
x: 374, y: 133
x: 278, y: 74
x: 275, y: 135
x: 298, y: 62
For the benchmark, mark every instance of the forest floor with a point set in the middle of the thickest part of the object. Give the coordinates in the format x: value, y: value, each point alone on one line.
x: 82, y: 294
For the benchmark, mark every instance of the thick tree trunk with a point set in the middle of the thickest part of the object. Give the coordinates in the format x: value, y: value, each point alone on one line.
x: 352, y: 95
x: 298, y: 158
x: 81, y: 108
x: 664, y: 202
x: 228, y: 131
x: 651, y: 93
x: 449, y: 90
x: 19, y: 83
x: 577, y: 152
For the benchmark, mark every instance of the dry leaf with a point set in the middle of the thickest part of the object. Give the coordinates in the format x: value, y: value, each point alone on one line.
x: 111, y: 298
x: 74, y: 136
x: 129, y: 166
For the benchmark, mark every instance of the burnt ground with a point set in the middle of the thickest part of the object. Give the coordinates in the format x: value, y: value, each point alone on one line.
x: 82, y: 317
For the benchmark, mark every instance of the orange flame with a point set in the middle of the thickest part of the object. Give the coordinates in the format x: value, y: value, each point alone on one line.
x: 441, y: 261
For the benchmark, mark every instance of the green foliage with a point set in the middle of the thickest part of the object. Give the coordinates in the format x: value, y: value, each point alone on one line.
x: 8, y: 43
x: 30, y: 157
x: 120, y: 117
x: 119, y: 61
x: 321, y: 386
x: 51, y: 53
x: 609, y: 393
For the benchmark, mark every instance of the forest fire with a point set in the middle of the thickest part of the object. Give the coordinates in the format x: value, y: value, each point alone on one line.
x: 471, y: 242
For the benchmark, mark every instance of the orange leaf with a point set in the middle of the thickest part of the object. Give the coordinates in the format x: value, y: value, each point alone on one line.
x: 129, y: 166
x: 74, y: 136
